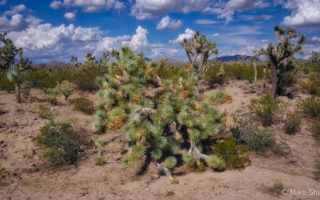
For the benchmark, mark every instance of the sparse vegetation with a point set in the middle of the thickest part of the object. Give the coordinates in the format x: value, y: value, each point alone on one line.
x: 248, y: 133
x: 292, y: 123
x: 235, y: 156
x: 83, y: 104
x: 66, y: 88
x: 45, y: 113
x: 265, y: 109
x: 60, y: 143
x: 310, y: 107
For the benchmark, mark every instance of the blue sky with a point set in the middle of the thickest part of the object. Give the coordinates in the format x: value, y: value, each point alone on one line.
x: 57, y: 29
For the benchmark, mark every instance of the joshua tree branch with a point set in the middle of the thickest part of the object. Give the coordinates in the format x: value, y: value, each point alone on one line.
x: 196, y: 152
x: 162, y: 168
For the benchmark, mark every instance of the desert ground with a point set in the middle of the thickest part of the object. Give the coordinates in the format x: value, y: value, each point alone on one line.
x: 27, y: 179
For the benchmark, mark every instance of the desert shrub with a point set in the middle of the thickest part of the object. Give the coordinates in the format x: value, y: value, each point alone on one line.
x: 316, y: 173
x: 216, y: 97
x: 83, y: 104
x: 234, y: 155
x: 265, y: 109
x: 86, y: 79
x: 286, y: 80
x: 257, y: 139
x: 62, y: 73
x: 98, y: 160
x: 5, y: 83
x: 50, y: 95
x: 66, y: 88
x: 216, y: 163
x: 241, y: 71
x: 292, y: 123
x: 310, y: 107
x: 312, y: 86
x: 214, y: 75
x: 315, y: 127
x: 40, y: 78
x: 275, y: 190
x: 60, y: 143
x: 45, y: 113
x: 25, y: 90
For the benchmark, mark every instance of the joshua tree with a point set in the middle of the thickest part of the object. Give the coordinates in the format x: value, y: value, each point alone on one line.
x: 253, y: 59
x: 199, y: 47
x: 90, y: 58
x: 279, y: 56
x: 161, y: 118
x: 16, y: 73
x: 8, y: 52
x: 104, y: 60
x: 74, y: 61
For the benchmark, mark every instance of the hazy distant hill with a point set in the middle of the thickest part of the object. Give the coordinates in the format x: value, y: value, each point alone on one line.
x: 54, y: 64
x: 232, y: 58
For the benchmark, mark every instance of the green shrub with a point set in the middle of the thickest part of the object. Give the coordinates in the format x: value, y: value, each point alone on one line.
x: 98, y: 160
x: 5, y: 83
x: 50, y: 95
x: 216, y: 97
x: 241, y: 71
x: 86, y: 80
x: 265, y: 109
x: 66, y: 88
x: 45, y: 113
x: 292, y: 123
x: 312, y: 86
x: 310, y: 107
x: 214, y: 75
x: 315, y: 126
x: 60, y: 143
x: 25, y: 90
x: 286, y: 80
x: 261, y: 141
x: 216, y: 163
x: 40, y: 78
x: 83, y: 104
x: 234, y: 155
x: 245, y: 131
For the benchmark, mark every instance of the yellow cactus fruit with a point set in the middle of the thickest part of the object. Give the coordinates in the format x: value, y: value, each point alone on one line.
x: 119, y: 121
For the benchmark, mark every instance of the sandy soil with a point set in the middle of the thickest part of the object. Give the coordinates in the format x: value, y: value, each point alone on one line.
x: 22, y: 159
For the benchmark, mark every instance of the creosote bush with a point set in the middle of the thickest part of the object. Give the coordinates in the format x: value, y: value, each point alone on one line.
x: 245, y: 131
x: 292, y: 123
x: 265, y: 109
x: 312, y: 86
x: 310, y: 107
x: 235, y: 156
x: 83, y: 104
x: 45, y: 113
x: 60, y: 143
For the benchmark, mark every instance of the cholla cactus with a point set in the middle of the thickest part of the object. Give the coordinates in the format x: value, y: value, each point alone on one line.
x: 279, y: 56
x: 158, y: 115
x: 199, y: 47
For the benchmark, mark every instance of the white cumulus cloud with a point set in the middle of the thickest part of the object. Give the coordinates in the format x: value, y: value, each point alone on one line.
x: 227, y: 10
x: 89, y: 5
x: 143, y: 9
x: 304, y: 12
x: 70, y: 16
x: 188, y: 34
x: 167, y: 22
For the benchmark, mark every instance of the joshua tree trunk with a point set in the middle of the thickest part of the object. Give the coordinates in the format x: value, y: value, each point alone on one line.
x: 18, y: 92
x: 274, y: 86
x: 255, y: 71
